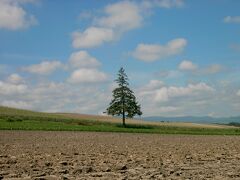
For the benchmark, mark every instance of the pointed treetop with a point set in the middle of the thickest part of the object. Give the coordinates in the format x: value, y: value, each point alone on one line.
x: 124, y: 102
x: 122, y: 79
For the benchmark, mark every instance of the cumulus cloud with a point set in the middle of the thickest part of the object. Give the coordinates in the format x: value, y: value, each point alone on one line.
x: 153, y: 84
x: 82, y: 59
x: 44, y: 68
x: 121, y: 16
x: 117, y: 18
x: 232, y: 19
x: 87, y: 76
x: 163, y: 99
x: 153, y: 52
x: 110, y: 26
x: 55, y: 97
x: 187, y: 65
x: 14, y: 85
x: 156, y: 97
x: 15, y: 79
x: 92, y: 37
x: 16, y: 104
x: 13, y: 16
x: 12, y: 89
x: 191, y: 89
x: 165, y: 93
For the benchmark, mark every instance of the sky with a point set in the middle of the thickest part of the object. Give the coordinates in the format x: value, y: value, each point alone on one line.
x: 182, y: 57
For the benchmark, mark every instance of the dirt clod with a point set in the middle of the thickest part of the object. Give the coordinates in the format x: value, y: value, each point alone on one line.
x: 84, y: 155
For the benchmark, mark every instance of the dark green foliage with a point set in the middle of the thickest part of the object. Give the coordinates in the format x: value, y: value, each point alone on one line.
x: 124, y: 102
x: 237, y: 124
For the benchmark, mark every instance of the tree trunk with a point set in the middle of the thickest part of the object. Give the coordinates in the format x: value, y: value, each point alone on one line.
x: 123, y: 108
x: 123, y: 118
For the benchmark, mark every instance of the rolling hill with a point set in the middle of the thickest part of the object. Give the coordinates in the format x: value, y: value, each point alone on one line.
x: 20, y: 114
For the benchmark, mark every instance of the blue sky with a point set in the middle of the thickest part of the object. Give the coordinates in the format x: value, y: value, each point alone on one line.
x: 182, y: 57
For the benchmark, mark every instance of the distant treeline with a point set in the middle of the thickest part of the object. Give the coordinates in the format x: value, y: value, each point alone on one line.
x: 234, y: 124
x: 195, y: 119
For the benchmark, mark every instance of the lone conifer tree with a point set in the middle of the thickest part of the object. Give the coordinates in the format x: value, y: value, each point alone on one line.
x: 124, y: 102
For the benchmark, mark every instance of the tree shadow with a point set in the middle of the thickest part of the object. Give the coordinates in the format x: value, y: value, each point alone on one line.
x: 135, y: 126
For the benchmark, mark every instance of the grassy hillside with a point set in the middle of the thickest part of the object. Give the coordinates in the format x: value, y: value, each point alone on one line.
x: 16, y: 119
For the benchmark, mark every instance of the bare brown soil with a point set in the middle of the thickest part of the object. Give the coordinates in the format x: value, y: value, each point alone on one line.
x: 85, y: 155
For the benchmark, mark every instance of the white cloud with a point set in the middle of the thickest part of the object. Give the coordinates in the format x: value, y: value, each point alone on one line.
x: 56, y: 97
x: 82, y: 59
x: 191, y: 89
x: 161, y: 95
x: 117, y: 18
x: 176, y: 100
x: 238, y: 93
x: 192, y: 99
x: 15, y: 79
x: 44, y: 68
x: 187, y: 66
x: 109, y: 27
x: 13, y: 16
x: 92, y: 37
x: 12, y: 89
x: 152, y: 85
x: 164, y: 94
x: 232, y: 19
x: 121, y: 16
x: 87, y: 76
x: 153, y: 52
x: 16, y: 104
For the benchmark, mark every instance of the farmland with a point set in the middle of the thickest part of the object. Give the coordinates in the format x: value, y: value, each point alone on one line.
x: 101, y: 155
x: 36, y: 145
